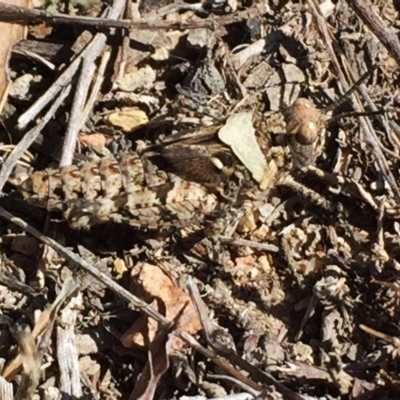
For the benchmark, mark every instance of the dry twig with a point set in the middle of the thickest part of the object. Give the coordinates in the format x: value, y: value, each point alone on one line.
x: 67, y: 355
x: 249, y: 243
x: 21, y: 15
x: 29, y: 138
x: 138, y: 304
x: 387, y: 36
x: 369, y: 133
x: 43, y: 324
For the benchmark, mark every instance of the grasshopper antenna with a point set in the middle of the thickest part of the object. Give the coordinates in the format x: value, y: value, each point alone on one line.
x: 346, y: 97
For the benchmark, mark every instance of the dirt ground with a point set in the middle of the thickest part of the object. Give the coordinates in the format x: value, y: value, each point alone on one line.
x: 286, y: 285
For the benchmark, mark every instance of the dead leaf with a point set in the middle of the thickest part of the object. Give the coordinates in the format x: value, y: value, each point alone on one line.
x: 44, y: 322
x: 120, y: 266
x: 245, y: 263
x: 248, y: 223
x: 85, y: 345
x: 361, y: 388
x: 162, y: 42
x: 242, y: 266
x: 261, y: 233
x: 239, y: 134
x: 293, y: 73
x: 168, y: 299
x: 301, y: 369
x: 40, y: 31
x: 10, y: 33
x: 201, y: 38
x: 92, y: 139
x: 265, y: 263
x: 128, y: 119
x: 155, y: 368
x: 136, y: 79
x: 312, y: 265
x: 22, y: 86
x: 89, y: 367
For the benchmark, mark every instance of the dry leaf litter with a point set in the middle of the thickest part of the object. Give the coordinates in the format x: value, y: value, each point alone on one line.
x: 216, y: 167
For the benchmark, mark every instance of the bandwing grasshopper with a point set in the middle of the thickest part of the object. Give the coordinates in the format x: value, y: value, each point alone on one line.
x: 191, y: 170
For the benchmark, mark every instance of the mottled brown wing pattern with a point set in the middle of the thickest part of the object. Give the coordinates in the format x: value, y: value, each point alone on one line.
x: 208, y: 163
x: 115, y: 190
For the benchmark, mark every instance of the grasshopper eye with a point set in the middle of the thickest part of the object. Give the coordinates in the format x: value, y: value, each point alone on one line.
x: 308, y: 133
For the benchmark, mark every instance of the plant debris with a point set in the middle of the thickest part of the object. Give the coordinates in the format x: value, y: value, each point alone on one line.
x: 200, y: 200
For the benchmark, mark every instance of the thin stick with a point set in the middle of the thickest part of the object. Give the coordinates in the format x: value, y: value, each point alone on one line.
x: 366, y: 125
x: 375, y: 143
x: 68, y: 356
x: 97, y: 85
x: 139, y: 304
x: 63, y: 81
x: 386, y: 35
x: 79, y: 120
x: 76, y: 121
x: 249, y: 243
x: 29, y: 138
x: 322, y: 27
x: 390, y: 339
x: 35, y: 57
x: 24, y: 16
x: 355, y: 114
x: 346, y: 96
x: 230, y: 355
x: 95, y: 46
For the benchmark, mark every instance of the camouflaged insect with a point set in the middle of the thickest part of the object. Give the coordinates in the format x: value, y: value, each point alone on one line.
x: 202, y: 166
x: 114, y: 190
